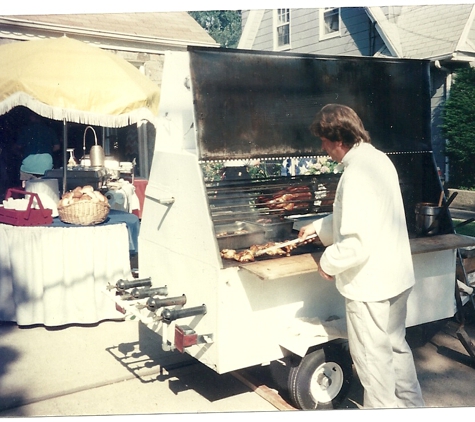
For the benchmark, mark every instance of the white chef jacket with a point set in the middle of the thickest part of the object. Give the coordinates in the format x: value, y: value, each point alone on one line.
x: 369, y: 252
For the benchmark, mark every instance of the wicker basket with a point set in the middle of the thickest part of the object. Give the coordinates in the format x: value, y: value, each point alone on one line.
x: 84, y: 213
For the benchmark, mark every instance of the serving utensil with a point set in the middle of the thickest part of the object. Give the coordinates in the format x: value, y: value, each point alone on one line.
x: 284, y: 244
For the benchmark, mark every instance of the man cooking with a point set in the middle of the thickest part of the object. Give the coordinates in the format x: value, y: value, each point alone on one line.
x: 368, y: 255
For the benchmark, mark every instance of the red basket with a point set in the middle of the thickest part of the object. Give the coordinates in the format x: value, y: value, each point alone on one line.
x: 29, y: 217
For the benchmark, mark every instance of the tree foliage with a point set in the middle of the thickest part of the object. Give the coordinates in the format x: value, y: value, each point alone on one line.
x: 224, y: 26
x: 459, y: 129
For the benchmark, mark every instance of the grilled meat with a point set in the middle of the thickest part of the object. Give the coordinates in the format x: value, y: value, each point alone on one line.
x: 249, y: 255
x: 228, y: 253
x: 244, y: 256
x: 295, y: 197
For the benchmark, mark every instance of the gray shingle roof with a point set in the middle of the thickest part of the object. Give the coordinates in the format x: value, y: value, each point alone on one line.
x: 168, y: 25
x: 432, y: 30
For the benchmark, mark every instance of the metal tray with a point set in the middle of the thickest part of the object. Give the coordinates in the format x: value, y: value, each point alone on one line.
x: 276, y: 230
x: 239, y: 235
x: 303, y: 220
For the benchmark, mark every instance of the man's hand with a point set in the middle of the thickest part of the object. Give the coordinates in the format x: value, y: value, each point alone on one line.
x: 306, y: 231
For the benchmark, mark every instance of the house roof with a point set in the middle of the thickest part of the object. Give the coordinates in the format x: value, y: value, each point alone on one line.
x: 160, y: 25
x: 251, y: 28
x: 430, y: 31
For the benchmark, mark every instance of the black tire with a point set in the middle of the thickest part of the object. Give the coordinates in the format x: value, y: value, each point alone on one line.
x: 322, y: 378
x: 280, y: 371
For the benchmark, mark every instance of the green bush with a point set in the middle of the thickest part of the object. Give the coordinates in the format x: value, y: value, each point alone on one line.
x: 458, y: 117
x: 467, y: 230
x: 224, y: 26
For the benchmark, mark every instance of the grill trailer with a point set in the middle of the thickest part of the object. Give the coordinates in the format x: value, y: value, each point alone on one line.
x: 232, y: 149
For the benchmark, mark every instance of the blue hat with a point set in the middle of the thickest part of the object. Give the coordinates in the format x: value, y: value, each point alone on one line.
x: 37, y: 163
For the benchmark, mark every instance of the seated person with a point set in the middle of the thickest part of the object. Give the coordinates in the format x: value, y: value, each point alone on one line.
x: 38, y: 142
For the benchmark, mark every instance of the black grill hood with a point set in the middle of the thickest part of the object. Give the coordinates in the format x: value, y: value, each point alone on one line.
x: 254, y: 104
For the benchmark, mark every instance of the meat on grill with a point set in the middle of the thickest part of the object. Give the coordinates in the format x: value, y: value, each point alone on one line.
x: 249, y: 255
x: 288, y: 199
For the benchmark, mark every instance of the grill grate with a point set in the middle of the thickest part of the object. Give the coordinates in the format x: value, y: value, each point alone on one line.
x: 270, y: 198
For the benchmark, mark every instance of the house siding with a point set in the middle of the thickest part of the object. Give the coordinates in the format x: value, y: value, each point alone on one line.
x: 304, y: 29
x: 354, y: 39
x: 305, y: 33
x: 264, y: 40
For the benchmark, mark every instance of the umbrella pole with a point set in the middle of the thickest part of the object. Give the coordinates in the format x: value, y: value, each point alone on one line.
x: 65, y: 155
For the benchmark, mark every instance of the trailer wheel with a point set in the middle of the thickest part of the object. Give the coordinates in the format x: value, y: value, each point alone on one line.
x: 280, y: 371
x: 322, y: 378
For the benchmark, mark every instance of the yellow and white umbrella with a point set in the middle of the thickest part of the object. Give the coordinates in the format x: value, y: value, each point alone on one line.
x: 69, y: 80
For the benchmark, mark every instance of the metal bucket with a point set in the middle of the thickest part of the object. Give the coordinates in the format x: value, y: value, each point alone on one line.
x: 97, y: 156
x: 96, y: 153
x: 427, y: 217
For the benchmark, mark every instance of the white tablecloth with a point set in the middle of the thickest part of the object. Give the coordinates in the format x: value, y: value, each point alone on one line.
x: 55, y: 276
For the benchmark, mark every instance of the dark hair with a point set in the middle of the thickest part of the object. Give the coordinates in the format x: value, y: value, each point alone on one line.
x: 337, y: 122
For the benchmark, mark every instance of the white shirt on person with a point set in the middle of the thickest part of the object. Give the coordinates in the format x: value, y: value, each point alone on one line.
x: 368, y: 248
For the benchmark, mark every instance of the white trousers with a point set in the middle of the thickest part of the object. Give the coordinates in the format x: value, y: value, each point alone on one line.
x: 380, y: 353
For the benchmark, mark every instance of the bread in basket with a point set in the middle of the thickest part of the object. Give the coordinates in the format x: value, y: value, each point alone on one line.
x: 83, y: 206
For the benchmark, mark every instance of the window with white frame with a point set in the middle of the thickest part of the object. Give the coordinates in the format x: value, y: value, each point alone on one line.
x: 329, y: 22
x: 281, y: 29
